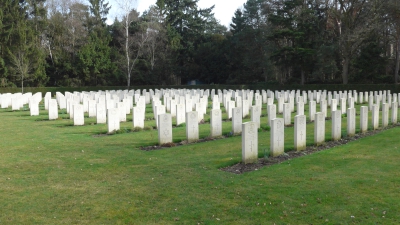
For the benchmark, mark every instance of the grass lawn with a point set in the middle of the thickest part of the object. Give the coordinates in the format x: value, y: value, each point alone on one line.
x: 54, y: 173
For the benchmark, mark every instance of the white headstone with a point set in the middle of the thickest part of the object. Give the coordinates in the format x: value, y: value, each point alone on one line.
x: 300, y: 108
x: 394, y: 113
x: 300, y: 132
x: 231, y: 105
x: 237, y: 120
x: 110, y: 104
x: 245, y: 108
x: 192, y: 126
x: 101, y: 115
x: 78, y: 115
x: 159, y: 109
x: 127, y: 105
x: 62, y: 102
x: 122, y: 111
x: 6, y: 100
x: 361, y: 96
x: 47, y: 97
x: 16, y: 103
x: 249, y: 142
x: 287, y: 115
x: 281, y: 100
x: 199, y: 109
x: 370, y: 102
x: 53, y: 110
x: 333, y: 105
x: 256, y: 114
x: 180, y: 114
x: 85, y: 102
x: 188, y: 105
x: 336, y: 125
x: 291, y: 103
x: 34, y: 108
x: 271, y: 110
x: 375, y: 117
x: 164, y: 128
x: 319, y: 128
x: 138, y: 117
x: 323, y: 107
x: 173, y: 107
x: 363, y: 119
x: 216, y: 122
x: 351, y: 122
x: 270, y: 101
x: 312, y: 110
x: 385, y: 114
x: 215, y: 103
x: 351, y: 102
x: 113, y: 123
x: 277, y: 137
x: 343, y: 105
x: 92, y: 108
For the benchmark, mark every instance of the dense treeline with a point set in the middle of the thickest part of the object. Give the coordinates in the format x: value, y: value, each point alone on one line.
x: 69, y: 43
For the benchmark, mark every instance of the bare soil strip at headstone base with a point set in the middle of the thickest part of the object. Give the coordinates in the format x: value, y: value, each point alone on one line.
x: 265, y: 162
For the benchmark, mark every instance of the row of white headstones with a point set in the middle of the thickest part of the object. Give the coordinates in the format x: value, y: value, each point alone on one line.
x: 111, y: 107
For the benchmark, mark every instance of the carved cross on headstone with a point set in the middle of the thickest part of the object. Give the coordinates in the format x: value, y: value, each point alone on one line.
x: 166, y: 132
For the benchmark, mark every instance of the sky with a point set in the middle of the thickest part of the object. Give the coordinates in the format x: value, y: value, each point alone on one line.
x: 223, y: 11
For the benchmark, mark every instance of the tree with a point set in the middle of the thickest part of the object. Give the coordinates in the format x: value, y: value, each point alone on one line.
x: 23, y: 65
x: 369, y: 64
x: 354, y: 21
x: 37, y: 21
x: 20, y: 56
x: 156, y: 33
x: 285, y: 35
x: 23, y: 24
x: 392, y: 10
x: 95, y: 61
x: 3, y: 35
x: 134, y: 35
x: 67, y: 33
x: 248, y: 54
x: 186, y: 27
x: 129, y: 15
x: 95, y: 56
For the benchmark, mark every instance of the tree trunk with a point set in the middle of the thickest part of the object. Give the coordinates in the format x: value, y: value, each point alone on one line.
x: 128, y: 66
x: 265, y: 75
x: 396, y: 71
x: 345, y: 70
x: 302, y: 77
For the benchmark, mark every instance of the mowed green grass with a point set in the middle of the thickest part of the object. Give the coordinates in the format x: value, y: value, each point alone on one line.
x: 54, y: 173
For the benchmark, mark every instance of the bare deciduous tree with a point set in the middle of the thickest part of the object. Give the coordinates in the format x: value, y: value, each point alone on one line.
x: 22, y: 65
x: 133, y: 41
x: 156, y: 35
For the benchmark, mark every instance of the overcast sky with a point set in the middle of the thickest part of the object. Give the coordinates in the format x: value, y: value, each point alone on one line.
x: 223, y: 11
